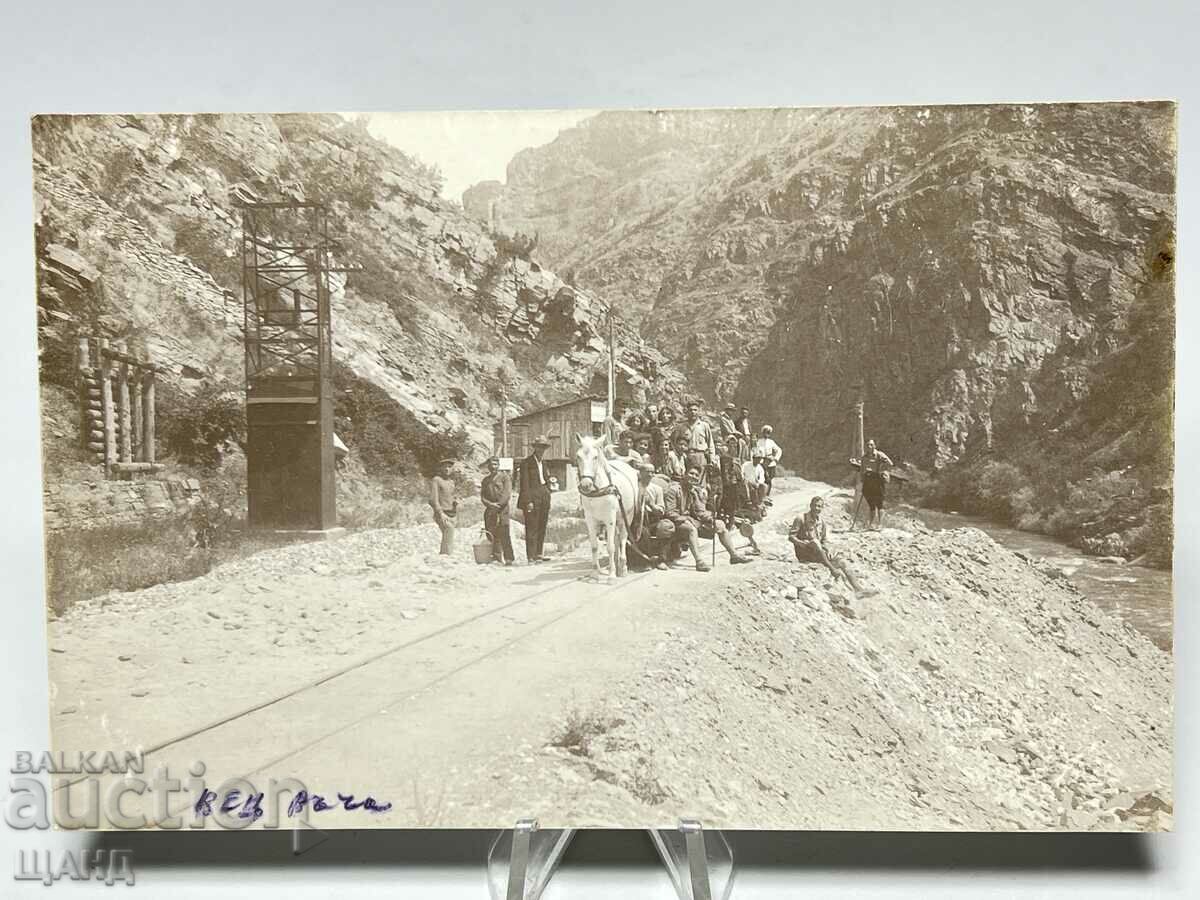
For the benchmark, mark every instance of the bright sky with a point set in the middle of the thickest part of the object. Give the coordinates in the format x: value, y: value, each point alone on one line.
x: 471, y: 146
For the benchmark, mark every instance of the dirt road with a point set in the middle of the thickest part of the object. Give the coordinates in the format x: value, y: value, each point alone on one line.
x: 361, y: 658
x: 975, y: 690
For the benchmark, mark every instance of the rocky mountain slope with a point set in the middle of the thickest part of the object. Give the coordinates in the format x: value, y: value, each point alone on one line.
x: 927, y: 252
x: 965, y: 270
x: 138, y: 237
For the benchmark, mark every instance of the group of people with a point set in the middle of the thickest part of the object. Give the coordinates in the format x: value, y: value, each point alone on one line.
x: 671, y: 442
x: 696, y: 482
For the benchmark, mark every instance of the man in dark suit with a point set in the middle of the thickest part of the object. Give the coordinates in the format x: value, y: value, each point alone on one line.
x: 534, y: 498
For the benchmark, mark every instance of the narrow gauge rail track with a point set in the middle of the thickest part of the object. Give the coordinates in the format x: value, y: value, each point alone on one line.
x: 383, y: 654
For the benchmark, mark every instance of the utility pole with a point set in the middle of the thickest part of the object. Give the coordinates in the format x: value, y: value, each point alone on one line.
x: 859, y: 447
x: 859, y: 441
x: 503, y: 420
x: 612, y: 364
x: 505, y: 378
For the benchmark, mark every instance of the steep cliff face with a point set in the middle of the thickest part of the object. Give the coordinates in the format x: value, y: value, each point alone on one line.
x: 139, y: 233
x: 985, y: 254
x: 954, y: 265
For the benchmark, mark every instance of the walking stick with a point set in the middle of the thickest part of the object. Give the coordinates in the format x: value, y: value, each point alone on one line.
x: 857, y: 507
x: 704, y: 481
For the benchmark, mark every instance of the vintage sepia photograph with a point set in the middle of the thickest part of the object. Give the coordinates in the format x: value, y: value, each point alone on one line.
x: 797, y: 468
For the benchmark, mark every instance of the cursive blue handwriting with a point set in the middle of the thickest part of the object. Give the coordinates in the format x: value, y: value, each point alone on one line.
x: 250, y: 807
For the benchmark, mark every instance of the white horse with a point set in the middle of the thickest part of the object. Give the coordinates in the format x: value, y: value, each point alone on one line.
x: 607, y: 492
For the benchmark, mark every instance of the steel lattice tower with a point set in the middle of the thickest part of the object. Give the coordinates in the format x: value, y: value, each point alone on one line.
x: 289, y: 386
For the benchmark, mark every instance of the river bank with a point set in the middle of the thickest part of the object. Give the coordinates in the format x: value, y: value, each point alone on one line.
x: 1139, y: 595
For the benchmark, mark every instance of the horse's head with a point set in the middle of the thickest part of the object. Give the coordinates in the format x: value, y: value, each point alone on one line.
x: 589, y: 459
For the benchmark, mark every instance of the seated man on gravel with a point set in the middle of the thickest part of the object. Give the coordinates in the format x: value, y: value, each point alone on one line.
x: 684, y: 528
x: 809, y: 536
x: 687, y: 510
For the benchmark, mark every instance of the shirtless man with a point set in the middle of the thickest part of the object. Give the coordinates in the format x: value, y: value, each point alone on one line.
x: 444, y: 505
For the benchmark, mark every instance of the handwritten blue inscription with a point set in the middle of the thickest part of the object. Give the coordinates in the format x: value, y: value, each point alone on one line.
x: 251, y: 806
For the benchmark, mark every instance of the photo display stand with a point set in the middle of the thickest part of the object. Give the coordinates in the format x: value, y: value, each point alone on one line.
x: 522, y: 861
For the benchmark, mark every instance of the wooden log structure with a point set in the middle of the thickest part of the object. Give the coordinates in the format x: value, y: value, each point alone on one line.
x: 148, y: 416
x: 132, y: 467
x: 106, y: 406
x: 123, y: 417
x: 116, y: 406
x: 135, y: 400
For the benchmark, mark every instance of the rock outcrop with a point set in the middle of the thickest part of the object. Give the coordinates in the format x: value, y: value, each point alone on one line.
x: 937, y: 256
x: 139, y: 233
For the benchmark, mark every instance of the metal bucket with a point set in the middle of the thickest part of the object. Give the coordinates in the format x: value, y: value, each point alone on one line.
x: 483, y: 548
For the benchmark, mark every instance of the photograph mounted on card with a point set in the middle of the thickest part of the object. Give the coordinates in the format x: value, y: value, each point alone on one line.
x: 767, y: 468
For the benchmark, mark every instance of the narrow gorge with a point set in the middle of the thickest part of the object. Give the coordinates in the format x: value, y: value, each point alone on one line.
x: 970, y: 272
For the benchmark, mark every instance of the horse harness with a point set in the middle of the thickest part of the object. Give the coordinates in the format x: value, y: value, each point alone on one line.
x: 606, y: 491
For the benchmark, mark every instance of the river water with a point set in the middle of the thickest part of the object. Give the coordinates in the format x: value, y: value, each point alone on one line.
x: 1138, y: 595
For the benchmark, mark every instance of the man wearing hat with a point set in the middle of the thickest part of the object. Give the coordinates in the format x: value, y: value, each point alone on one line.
x: 444, y: 504
x: 728, y: 427
x: 496, y: 493
x: 534, y: 499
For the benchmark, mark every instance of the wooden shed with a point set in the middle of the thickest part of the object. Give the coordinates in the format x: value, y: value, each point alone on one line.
x: 560, y: 422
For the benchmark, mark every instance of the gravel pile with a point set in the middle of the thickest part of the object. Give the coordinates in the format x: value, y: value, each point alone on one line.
x: 973, y: 691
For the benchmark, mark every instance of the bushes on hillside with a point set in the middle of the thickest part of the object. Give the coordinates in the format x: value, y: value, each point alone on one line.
x: 199, y: 428
x: 387, y: 438
x: 515, y: 246
x: 207, y: 251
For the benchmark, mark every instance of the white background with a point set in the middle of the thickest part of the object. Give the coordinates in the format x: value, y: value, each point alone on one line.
x: 270, y: 56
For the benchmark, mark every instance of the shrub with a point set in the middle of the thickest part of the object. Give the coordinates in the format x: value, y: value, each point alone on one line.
x: 89, y: 562
x: 219, y: 518
x: 117, y: 172
x: 431, y: 447
x: 388, y: 439
x: 207, y: 251
x: 515, y: 246
x: 199, y: 428
x: 364, y: 501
